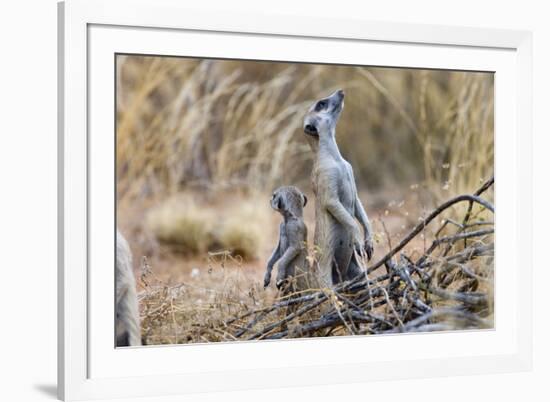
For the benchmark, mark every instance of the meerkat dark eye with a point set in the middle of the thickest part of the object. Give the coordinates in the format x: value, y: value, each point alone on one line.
x: 320, y: 105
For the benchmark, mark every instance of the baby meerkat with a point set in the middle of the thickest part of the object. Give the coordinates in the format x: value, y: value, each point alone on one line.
x: 291, y: 250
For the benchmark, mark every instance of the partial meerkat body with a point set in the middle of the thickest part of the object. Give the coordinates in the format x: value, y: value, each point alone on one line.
x: 338, y: 208
x: 291, y: 250
x: 128, y: 331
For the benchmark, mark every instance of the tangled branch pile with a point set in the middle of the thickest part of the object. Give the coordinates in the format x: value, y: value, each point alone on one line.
x: 449, y: 285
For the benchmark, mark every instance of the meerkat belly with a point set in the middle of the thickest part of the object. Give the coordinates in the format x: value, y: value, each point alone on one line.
x: 334, y: 240
x: 341, y: 242
x: 298, y: 268
x: 299, y: 260
x: 284, y: 243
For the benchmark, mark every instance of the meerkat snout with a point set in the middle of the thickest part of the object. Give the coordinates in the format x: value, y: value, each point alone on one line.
x: 339, y: 101
x: 340, y: 93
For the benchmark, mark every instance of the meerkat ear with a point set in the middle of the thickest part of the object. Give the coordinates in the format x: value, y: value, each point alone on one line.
x: 305, y: 199
x: 280, y: 203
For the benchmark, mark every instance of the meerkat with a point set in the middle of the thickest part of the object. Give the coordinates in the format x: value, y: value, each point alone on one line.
x: 128, y: 331
x: 337, y: 205
x: 291, y: 250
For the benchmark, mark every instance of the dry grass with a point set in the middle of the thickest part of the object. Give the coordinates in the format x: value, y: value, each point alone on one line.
x: 209, y: 131
x: 189, y: 228
x: 226, y: 124
x: 194, y: 310
x: 201, y: 144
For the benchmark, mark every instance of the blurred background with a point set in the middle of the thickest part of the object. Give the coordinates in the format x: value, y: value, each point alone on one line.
x: 202, y: 144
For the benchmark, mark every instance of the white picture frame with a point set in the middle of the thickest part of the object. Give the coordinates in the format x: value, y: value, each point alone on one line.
x: 91, y: 32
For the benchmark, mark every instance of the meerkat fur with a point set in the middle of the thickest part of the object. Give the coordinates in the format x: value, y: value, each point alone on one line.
x: 128, y: 331
x: 291, y: 250
x: 338, y: 209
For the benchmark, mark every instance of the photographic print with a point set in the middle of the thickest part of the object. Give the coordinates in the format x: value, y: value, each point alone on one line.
x: 260, y: 200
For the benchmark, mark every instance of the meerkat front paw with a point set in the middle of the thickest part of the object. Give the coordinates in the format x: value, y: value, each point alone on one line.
x: 267, y: 279
x: 369, y: 248
x: 365, y: 248
x: 358, y: 246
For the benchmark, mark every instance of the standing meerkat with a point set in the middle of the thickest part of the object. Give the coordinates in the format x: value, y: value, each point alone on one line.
x: 128, y: 331
x: 337, y: 205
x: 291, y: 250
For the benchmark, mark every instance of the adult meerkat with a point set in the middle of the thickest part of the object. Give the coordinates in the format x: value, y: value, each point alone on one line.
x: 128, y: 331
x: 337, y: 205
x: 291, y: 250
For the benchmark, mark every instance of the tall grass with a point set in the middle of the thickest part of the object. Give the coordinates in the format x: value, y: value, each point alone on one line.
x: 215, y: 128
x: 189, y: 227
x: 185, y: 123
x: 201, y: 126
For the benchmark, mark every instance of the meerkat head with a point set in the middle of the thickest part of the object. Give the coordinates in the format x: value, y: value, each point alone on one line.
x: 323, y: 115
x: 288, y: 200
